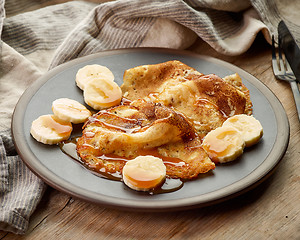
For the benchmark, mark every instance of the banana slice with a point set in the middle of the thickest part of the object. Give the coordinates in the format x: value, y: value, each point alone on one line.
x: 250, y: 128
x: 144, y: 173
x: 70, y: 110
x: 101, y: 93
x: 85, y: 74
x: 224, y: 144
x: 49, y: 129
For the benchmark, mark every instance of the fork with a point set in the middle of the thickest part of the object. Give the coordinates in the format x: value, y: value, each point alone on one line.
x: 283, y: 71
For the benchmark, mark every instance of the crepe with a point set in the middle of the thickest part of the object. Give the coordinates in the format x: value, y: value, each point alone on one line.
x: 112, y: 137
x: 206, y: 100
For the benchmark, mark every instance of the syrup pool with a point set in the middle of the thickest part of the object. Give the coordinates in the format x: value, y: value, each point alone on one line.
x: 169, y: 185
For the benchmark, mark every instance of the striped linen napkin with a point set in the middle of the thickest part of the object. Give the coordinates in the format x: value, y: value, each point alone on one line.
x: 228, y: 26
x: 34, y: 41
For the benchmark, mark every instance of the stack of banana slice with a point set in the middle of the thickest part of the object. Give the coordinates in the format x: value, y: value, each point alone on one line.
x: 99, y: 91
x: 226, y: 143
x: 54, y: 128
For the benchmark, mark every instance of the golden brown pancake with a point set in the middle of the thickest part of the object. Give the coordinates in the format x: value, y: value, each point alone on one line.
x: 206, y: 100
x: 114, y: 136
x: 172, y: 106
x: 143, y: 80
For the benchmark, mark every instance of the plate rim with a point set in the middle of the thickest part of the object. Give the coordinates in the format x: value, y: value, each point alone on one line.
x: 263, y: 171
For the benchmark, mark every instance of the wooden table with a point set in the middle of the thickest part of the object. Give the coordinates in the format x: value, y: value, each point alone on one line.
x: 270, y: 211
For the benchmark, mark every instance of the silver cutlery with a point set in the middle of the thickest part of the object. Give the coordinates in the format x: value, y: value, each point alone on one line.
x: 283, y: 71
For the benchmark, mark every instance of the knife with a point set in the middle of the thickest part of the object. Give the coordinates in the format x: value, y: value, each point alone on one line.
x: 290, y: 48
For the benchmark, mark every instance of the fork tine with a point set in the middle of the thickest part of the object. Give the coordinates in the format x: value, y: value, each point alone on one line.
x: 288, y: 67
x: 274, y: 58
x: 288, y: 71
x: 281, y: 60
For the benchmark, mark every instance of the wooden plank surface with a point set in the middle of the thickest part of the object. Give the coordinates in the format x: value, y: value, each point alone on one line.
x: 270, y: 211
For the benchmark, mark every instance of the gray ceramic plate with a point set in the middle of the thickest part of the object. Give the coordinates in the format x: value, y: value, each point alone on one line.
x: 66, y: 175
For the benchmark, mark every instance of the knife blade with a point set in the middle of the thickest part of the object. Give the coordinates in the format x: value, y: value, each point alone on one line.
x: 290, y: 48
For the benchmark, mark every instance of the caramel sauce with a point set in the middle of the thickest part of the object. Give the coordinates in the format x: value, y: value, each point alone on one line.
x: 69, y: 148
x: 153, y: 96
x: 75, y: 109
x: 107, y: 113
x: 142, y: 181
x: 169, y: 185
x: 216, y: 147
x: 122, y: 129
x: 203, y: 100
x: 115, y: 127
x: 59, y: 127
x: 125, y: 101
x: 167, y: 160
x: 110, y: 102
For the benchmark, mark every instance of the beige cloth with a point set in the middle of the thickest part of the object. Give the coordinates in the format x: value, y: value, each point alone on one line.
x: 40, y: 34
